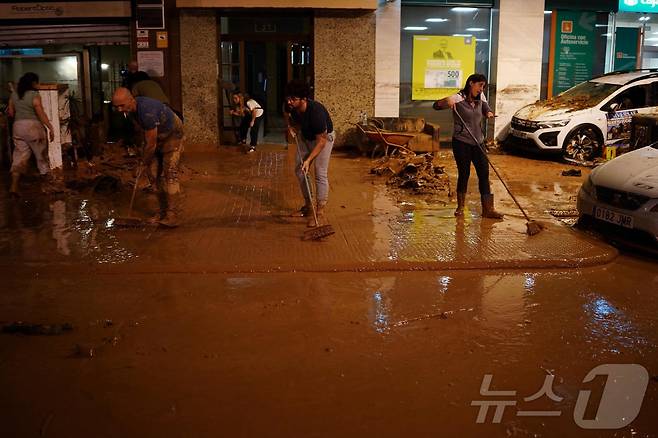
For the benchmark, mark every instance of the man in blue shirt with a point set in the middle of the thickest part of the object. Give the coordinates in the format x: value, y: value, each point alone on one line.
x: 163, y: 135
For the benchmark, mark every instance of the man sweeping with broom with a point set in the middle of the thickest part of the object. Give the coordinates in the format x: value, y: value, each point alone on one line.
x: 163, y: 135
x: 312, y: 120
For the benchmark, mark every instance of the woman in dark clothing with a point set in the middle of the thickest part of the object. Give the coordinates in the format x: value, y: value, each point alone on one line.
x: 471, y: 106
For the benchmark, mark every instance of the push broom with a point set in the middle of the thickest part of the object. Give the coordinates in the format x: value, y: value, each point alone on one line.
x: 319, y: 231
x: 130, y: 220
x: 532, y: 227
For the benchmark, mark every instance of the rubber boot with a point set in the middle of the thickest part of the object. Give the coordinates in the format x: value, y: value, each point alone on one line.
x: 319, y: 211
x: 170, y: 219
x: 13, y: 189
x: 162, y: 211
x: 488, y: 208
x: 461, y: 201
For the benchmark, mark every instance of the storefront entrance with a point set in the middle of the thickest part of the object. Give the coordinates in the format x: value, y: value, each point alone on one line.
x: 258, y: 57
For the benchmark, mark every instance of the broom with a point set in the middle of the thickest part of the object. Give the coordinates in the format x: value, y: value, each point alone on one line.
x: 130, y: 220
x: 318, y: 232
x: 532, y: 227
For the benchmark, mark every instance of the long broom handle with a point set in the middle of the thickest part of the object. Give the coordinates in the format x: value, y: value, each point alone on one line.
x: 308, y: 187
x: 132, y: 197
x: 484, y: 152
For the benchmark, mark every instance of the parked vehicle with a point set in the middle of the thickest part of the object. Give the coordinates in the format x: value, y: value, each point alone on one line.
x: 581, y: 121
x: 624, y: 192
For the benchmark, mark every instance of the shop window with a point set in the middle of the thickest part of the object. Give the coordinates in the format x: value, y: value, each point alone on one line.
x: 437, y: 66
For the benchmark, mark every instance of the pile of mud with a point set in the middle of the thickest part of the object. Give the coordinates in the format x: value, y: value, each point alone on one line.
x: 113, y: 170
x: 419, y: 173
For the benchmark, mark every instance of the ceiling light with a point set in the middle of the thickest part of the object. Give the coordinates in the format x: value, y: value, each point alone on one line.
x: 105, y: 66
x: 600, y: 25
x: 475, y: 29
x: 651, y: 39
x: 482, y: 40
x: 436, y: 20
x: 462, y: 34
x: 548, y: 12
x: 606, y: 34
x: 415, y: 28
x: 644, y: 18
x: 464, y: 9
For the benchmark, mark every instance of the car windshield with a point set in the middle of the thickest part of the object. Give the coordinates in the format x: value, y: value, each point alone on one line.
x: 585, y: 94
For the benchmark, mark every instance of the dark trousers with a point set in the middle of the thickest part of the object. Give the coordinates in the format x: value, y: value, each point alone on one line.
x: 465, y: 154
x: 244, y: 127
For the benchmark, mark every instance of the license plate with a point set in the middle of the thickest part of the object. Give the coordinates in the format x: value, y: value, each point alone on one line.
x: 613, y: 217
x: 519, y: 134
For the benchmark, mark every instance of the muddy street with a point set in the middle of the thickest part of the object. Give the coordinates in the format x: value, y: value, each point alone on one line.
x: 231, y: 325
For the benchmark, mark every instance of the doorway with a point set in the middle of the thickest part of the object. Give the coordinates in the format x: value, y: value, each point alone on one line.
x: 259, y: 58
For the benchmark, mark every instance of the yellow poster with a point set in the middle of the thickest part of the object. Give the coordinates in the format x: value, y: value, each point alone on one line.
x: 441, y: 65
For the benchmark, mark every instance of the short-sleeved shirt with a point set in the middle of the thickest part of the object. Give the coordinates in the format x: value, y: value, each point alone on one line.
x: 472, y: 113
x: 24, y: 107
x: 252, y: 104
x: 150, y: 88
x: 154, y: 114
x: 315, y: 120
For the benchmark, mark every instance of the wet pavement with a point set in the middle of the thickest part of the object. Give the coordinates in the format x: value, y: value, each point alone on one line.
x: 174, y: 336
x: 243, y: 202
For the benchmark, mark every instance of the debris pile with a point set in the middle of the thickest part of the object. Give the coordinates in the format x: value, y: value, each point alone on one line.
x: 417, y: 172
x: 113, y: 170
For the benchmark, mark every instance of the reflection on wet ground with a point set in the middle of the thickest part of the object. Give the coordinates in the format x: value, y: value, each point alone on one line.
x: 244, y: 202
x: 388, y: 354
x: 306, y: 351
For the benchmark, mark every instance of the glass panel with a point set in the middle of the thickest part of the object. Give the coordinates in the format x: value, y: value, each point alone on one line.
x: 440, y: 21
x: 648, y: 26
x: 61, y: 69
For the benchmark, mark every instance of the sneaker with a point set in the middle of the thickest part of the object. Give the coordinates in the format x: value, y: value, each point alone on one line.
x: 251, y: 149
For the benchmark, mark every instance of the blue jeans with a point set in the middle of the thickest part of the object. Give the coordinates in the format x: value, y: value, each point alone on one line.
x: 321, y: 164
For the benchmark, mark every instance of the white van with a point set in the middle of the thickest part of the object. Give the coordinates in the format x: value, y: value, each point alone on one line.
x: 579, y: 122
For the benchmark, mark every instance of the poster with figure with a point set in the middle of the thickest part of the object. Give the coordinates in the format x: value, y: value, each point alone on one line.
x: 441, y: 64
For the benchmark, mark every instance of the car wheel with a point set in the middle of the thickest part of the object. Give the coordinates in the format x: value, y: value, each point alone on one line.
x: 582, y: 144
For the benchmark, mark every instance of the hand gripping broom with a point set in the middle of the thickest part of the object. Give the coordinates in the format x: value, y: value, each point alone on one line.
x: 319, y: 231
x: 532, y: 227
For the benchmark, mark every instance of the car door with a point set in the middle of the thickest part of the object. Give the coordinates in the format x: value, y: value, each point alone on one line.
x: 619, y: 110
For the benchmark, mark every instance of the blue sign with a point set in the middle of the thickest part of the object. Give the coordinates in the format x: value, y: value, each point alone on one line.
x: 21, y: 52
x: 638, y: 6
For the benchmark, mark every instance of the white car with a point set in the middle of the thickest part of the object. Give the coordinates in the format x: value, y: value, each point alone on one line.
x: 583, y: 119
x: 624, y: 192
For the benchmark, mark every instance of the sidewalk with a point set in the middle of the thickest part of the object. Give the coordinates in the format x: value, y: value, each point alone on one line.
x: 236, y: 219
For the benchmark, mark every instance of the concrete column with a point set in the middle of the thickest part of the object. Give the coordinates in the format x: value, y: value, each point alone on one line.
x: 516, y: 71
x: 344, y: 47
x: 199, y: 61
x: 387, y: 59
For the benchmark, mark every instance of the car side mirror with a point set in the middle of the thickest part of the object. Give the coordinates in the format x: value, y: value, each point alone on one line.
x: 613, y: 107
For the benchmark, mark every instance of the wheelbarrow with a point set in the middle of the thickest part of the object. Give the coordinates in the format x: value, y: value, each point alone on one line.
x: 386, y: 139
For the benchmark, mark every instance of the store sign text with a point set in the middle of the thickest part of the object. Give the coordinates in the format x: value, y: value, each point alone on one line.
x: 638, y: 5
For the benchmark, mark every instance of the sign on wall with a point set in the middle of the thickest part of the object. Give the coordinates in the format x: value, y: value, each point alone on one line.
x: 76, y: 9
x: 626, y: 47
x: 638, y: 6
x: 572, y: 49
x: 441, y: 65
x: 152, y: 62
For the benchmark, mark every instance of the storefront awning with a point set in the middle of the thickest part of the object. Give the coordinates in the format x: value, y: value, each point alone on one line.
x: 320, y: 4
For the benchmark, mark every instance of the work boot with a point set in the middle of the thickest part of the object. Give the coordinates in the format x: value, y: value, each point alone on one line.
x: 319, y: 212
x: 461, y: 201
x: 170, y: 218
x: 488, y: 208
x: 13, y: 189
x: 304, y: 211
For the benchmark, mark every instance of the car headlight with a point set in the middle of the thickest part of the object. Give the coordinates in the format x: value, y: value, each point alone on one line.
x: 553, y: 124
x: 588, y: 187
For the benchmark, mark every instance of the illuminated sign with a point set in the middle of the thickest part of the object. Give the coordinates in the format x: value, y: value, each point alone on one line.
x: 638, y: 6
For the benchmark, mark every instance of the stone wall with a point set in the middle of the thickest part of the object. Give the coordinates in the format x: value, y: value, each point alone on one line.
x: 344, y: 48
x: 198, y: 35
